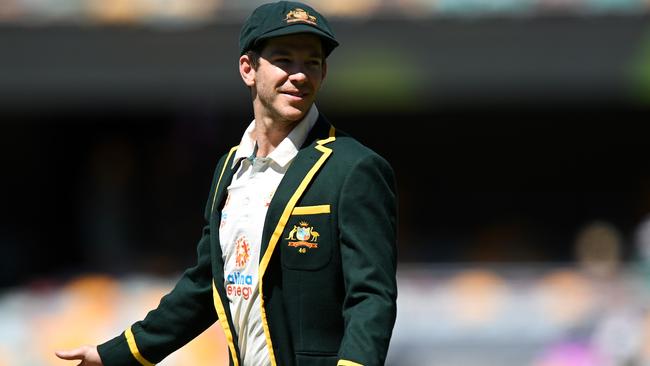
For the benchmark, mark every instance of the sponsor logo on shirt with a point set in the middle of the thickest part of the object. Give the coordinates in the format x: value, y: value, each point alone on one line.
x: 242, y: 252
x: 239, y: 284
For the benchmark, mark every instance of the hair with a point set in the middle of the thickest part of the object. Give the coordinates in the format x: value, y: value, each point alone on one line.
x: 254, y: 57
x: 255, y: 52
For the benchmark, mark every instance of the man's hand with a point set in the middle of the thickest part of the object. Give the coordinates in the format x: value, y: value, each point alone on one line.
x: 87, y: 354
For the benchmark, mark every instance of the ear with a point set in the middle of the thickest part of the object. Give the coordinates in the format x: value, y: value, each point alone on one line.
x: 246, y: 70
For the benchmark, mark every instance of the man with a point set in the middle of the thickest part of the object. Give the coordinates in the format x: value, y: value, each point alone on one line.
x: 297, y: 259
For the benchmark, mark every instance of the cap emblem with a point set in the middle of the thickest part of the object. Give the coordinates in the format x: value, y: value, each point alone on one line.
x: 300, y: 15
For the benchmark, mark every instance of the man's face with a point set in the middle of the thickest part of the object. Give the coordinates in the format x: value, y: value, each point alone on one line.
x: 289, y: 73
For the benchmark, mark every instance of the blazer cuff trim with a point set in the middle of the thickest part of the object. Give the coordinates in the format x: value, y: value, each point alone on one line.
x: 133, y: 347
x: 347, y: 363
x: 311, y: 210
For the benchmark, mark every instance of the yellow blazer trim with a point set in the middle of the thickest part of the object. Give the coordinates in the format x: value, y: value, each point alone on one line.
x: 225, y: 164
x: 347, y: 363
x: 332, y: 137
x: 133, y: 347
x: 221, y: 312
x: 264, y: 263
x: 311, y: 210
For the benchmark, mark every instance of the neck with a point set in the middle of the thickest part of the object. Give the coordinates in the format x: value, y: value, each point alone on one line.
x: 269, y: 132
x: 269, y: 135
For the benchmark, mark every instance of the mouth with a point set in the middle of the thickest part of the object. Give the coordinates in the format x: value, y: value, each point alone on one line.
x: 296, y: 95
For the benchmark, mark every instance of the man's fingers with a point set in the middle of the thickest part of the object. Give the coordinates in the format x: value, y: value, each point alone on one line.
x: 73, y: 354
x: 87, y: 354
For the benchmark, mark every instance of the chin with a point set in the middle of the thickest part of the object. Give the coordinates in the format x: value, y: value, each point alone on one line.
x: 294, y: 114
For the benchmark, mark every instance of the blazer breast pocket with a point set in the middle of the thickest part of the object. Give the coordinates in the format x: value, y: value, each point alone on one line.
x: 307, y: 238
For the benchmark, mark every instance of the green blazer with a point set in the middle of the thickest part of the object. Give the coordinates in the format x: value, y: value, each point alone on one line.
x: 327, y: 294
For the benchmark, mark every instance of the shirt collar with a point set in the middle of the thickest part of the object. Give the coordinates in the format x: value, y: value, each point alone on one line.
x: 287, y: 149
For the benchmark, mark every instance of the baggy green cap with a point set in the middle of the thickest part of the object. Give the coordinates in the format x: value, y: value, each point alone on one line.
x: 283, y: 18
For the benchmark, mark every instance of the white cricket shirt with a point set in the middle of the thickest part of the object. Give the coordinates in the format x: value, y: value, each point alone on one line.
x: 240, y: 232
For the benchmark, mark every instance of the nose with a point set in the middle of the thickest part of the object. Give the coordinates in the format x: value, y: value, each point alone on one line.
x: 298, y: 73
x: 298, y: 76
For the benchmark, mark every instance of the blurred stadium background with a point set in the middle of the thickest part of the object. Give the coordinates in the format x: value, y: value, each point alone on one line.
x: 517, y: 129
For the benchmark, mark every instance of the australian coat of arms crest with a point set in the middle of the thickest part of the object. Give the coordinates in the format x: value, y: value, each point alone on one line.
x: 300, y: 15
x: 304, y: 237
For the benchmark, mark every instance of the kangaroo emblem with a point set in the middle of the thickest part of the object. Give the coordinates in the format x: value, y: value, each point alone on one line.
x: 292, y: 234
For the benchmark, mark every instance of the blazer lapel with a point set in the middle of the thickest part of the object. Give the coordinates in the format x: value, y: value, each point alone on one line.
x: 305, y: 165
x: 225, y: 177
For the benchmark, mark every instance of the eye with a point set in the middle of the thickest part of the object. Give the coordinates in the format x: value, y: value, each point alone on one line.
x: 314, y: 63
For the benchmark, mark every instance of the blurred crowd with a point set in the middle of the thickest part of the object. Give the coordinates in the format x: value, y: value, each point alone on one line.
x: 184, y: 13
x: 523, y: 315
x: 512, y: 315
x: 48, y: 316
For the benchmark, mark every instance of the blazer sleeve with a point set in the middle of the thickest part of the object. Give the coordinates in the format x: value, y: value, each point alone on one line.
x: 182, y: 314
x: 368, y: 232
